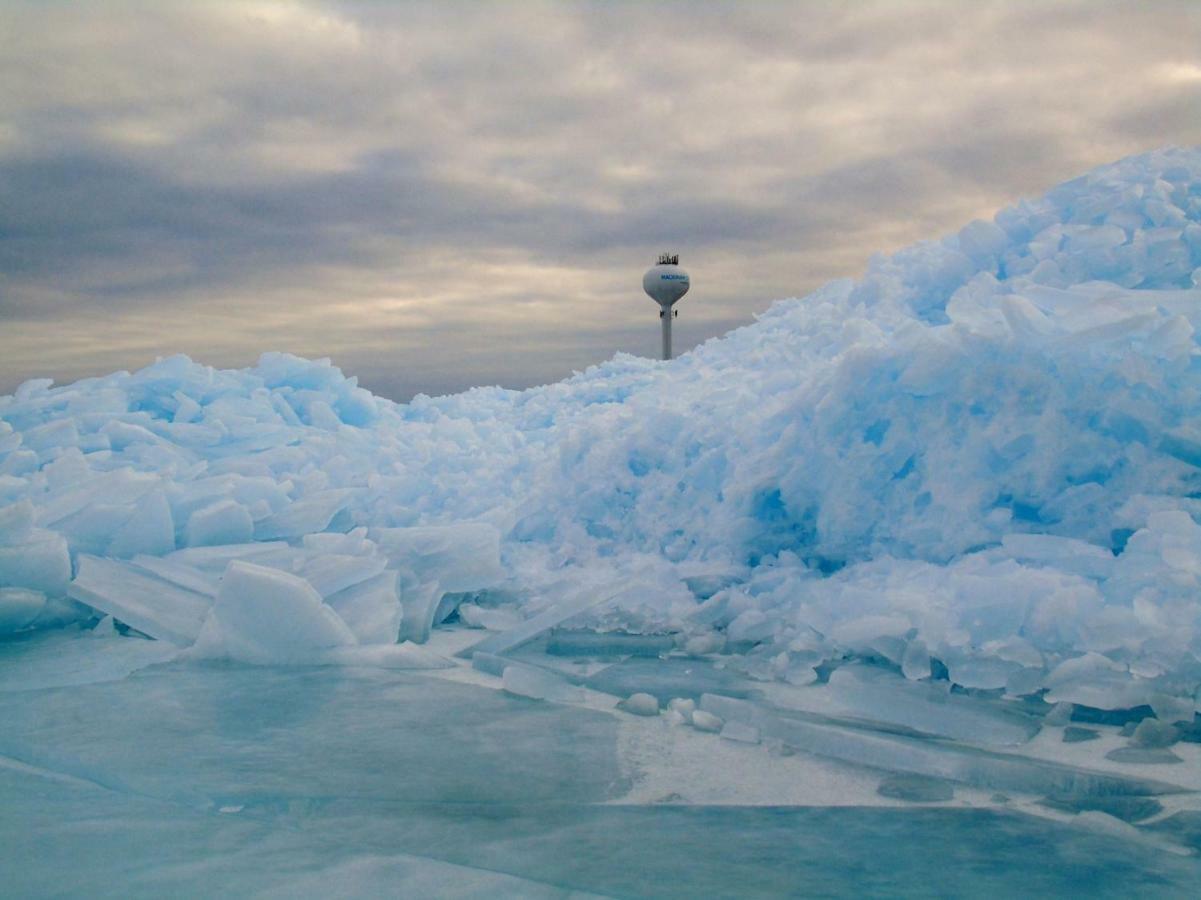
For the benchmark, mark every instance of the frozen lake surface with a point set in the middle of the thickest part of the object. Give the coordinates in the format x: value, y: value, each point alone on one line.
x: 197, y: 779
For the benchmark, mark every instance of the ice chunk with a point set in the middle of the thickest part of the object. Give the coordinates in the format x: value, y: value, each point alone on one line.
x: 188, y: 409
x: 460, y: 558
x: 668, y: 678
x: 214, y: 560
x: 1097, y: 681
x: 1066, y: 554
x: 1128, y: 809
x: 16, y: 523
x: 899, y: 753
x: 223, y: 522
x: 1154, y: 733
x: 51, y: 436
x: 1170, y: 709
x: 153, y: 606
x: 178, y: 573
x: 879, y: 696
x: 1144, y: 756
x: 309, y: 514
x: 489, y: 663
x: 18, y: 608
x: 915, y: 664
x: 370, y: 608
x: 640, y: 705
x: 263, y: 615
x: 531, y: 628
x: 330, y: 573
x: 539, y: 684
x: 150, y: 530
x: 490, y: 618
x: 581, y: 642
x: 117, y: 488
x: 915, y: 789
x: 420, y: 601
x: 1060, y: 714
x: 684, y: 706
x: 41, y: 563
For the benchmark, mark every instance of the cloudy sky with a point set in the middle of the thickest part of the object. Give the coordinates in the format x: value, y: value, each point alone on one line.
x: 438, y: 195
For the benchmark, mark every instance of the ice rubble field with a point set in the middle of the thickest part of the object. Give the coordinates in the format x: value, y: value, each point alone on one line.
x: 956, y: 498
x: 985, y: 451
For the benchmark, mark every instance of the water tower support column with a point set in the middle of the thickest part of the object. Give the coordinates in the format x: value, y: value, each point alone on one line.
x: 665, y: 283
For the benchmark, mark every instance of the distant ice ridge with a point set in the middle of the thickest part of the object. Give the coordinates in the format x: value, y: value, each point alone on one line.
x: 983, y: 457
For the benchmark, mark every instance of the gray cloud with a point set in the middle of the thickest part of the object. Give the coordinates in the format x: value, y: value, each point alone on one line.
x: 362, y: 180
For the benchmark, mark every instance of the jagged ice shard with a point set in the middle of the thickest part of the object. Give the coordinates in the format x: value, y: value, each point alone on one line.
x: 971, y: 477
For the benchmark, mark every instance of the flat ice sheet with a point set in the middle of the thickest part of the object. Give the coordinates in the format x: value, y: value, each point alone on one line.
x: 286, y: 781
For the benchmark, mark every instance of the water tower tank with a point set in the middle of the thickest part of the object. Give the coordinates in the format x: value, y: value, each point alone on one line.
x: 666, y: 283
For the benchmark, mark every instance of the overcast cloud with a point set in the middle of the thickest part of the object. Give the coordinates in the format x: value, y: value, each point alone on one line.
x: 440, y: 195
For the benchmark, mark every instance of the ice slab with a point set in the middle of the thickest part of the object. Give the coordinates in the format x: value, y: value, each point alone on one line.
x: 668, y: 678
x: 590, y: 598
x: 72, y: 657
x: 19, y: 607
x: 223, y: 522
x: 281, y: 738
x: 538, y: 684
x: 928, y: 757
x: 1128, y: 809
x: 16, y: 523
x: 115, y: 488
x: 41, y: 563
x: 877, y: 695
x: 263, y: 615
x: 153, y: 606
x: 420, y: 602
x: 149, y: 530
x: 582, y: 642
x: 916, y: 789
x: 463, y: 557
x: 1144, y: 756
x: 307, y: 515
x: 179, y: 574
x: 1066, y: 554
x: 490, y: 618
x: 330, y: 573
x: 370, y: 608
x: 214, y: 560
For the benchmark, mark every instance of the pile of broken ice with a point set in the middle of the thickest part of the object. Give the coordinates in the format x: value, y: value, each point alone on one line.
x: 980, y: 462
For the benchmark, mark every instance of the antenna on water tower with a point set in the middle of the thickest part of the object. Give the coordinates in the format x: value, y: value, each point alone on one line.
x: 666, y: 283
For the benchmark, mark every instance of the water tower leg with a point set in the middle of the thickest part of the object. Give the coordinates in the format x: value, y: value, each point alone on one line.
x: 665, y: 319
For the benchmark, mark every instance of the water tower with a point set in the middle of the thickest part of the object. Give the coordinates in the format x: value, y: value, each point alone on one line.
x: 666, y: 283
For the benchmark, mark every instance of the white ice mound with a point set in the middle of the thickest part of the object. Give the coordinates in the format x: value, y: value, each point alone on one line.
x: 981, y: 461
x: 263, y: 615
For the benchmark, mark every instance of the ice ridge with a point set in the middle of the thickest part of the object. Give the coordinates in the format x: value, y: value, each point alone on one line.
x: 981, y: 460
